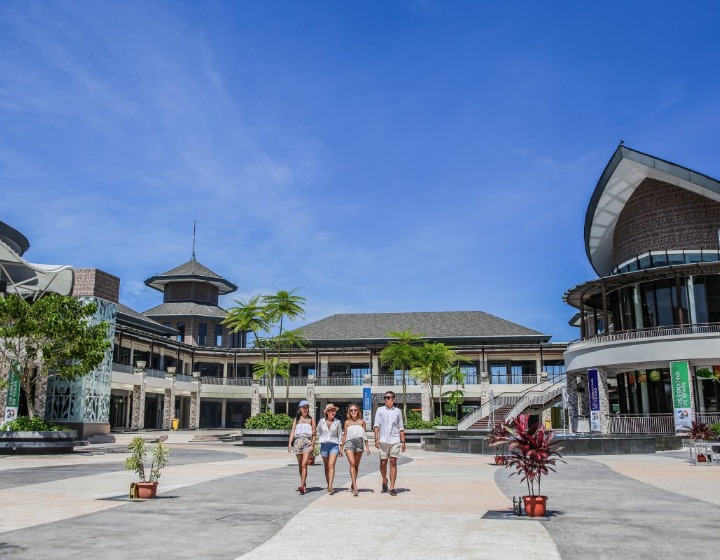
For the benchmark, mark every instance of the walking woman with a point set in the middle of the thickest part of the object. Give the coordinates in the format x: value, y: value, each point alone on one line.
x: 329, y: 433
x: 302, y: 441
x: 354, y: 438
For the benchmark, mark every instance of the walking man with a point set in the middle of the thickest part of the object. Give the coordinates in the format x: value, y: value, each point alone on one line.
x: 389, y: 439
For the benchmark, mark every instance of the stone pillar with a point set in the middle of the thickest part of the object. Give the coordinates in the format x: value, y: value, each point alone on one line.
x: 169, y: 406
x: 137, y: 421
x: 223, y: 413
x: 255, y: 398
x: 375, y: 368
x: 572, y: 392
x: 311, y: 391
x: 604, y: 402
x: 426, y: 400
x: 546, y: 416
x: 195, y: 407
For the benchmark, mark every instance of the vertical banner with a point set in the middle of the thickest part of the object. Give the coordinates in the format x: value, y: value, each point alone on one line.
x: 594, y: 398
x: 682, y: 401
x: 367, y: 406
x: 12, y: 402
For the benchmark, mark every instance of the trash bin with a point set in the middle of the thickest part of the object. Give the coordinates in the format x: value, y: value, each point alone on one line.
x: 175, y: 423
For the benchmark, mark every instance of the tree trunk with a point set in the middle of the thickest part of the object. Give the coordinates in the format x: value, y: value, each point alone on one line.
x: 440, y: 403
x: 404, y: 386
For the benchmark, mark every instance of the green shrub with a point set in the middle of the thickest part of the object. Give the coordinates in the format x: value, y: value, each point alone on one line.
x: 415, y: 421
x: 27, y: 424
x: 269, y: 421
x: 715, y: 429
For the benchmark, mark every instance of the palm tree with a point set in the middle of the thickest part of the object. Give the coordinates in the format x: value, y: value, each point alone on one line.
x: 456, y: 396
x: 269, y: 368
x: 287, y: 341
x: 284, y: 304
x: 434, y: 361
x: 252, y: 316
x: 401, y: 354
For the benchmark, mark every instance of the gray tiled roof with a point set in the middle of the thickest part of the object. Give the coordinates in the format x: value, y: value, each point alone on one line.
x: 433, y: 325
x: 129, y: 317
x: 191, y: 267
x: 186, y: 309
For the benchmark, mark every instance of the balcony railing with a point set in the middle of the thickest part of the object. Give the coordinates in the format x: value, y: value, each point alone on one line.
x: 293, y: 381
x: 681, y: 330
x: 641, y: 424
x: 510, y: 379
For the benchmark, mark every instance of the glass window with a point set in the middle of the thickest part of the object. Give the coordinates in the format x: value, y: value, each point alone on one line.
x: 693, y: 257
x: 664, y: 303
x: 712, y: 294
x: 218, y: 335
x: 710, y: 256
x: 202, y: 334
x: 659, y: 259
x: 470, y: 373
x: 647, y: 295
x: 644, y: 262
x: 181, y: 332
x: 676, y: 258
x: 701, y: 308
x: 307, y: 370
x: 358, y: 373
x: 499, y: 372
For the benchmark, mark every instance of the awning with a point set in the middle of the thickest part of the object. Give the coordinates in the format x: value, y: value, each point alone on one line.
x: 32, y: 280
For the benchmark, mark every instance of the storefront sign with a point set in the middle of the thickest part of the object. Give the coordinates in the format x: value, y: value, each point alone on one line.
x: 682, y: 398
x: 367, y: 406
x: 594, y: 397
x: 12, y: 402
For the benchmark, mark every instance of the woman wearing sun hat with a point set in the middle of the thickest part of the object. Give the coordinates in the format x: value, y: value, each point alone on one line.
x: 329, y: 432
x: 302, y: 441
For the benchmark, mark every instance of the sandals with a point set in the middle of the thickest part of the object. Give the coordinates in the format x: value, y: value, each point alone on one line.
x: 302, y: 490
x: 355, y: 492
x: 392, y: 492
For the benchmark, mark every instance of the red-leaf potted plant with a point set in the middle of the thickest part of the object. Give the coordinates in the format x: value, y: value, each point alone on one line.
x: 700, y: 431
x: 532, y: 453
x: 497, y: 438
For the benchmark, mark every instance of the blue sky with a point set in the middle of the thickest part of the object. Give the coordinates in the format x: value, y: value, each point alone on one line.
x: 381, y: 156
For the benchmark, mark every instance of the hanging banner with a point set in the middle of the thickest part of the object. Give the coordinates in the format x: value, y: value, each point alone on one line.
x: 594, y: 398
x: 367, y: 406
x: 12, y: 392
x: 682, y: 397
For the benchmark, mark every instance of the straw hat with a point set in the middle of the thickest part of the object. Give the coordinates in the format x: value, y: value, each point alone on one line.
x: 330, y: 406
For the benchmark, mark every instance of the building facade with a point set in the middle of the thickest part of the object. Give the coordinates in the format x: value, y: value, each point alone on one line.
x: 652, y: 235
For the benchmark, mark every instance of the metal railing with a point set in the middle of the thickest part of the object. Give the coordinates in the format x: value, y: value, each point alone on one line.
x: 681, y: 330
x: 292, y: 381
x: 640, y: 424
x: 708, y: 417
x: 510, y: 379
x: 542, y: 394
x: 394, y: 380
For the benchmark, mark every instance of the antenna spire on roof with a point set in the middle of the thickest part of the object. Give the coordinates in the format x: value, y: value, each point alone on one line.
x: 193, y: 246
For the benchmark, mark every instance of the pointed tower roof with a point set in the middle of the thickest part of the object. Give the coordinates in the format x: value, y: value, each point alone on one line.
x: 189, y: 272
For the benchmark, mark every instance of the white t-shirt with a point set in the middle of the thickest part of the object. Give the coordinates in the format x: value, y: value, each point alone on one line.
x: 390, y: 424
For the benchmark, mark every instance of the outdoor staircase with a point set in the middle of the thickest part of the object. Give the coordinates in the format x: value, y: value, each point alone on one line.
x: 216, y: 438
x: 484, y: 423
x: 508, y: 405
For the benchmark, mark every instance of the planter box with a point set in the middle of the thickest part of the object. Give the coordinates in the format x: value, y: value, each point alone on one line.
x: 265, y: 438
x: 415, y: 436
x: 38, y: 442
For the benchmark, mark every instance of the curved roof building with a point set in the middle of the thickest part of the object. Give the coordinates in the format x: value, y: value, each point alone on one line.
x: 652, y: 234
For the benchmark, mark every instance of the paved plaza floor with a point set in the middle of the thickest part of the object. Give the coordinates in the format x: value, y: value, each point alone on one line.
x: 219, y: 500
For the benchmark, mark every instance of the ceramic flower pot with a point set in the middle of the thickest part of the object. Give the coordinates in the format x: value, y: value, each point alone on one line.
x: 535, y: 506
x: 145, y: 490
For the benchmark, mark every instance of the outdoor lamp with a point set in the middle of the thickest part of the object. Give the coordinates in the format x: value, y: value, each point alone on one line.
x: 140, y: 364
x: 196, y: 374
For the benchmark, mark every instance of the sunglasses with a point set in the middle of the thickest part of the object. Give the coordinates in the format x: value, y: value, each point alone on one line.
x: 353, y: 410
x: 386, y: 397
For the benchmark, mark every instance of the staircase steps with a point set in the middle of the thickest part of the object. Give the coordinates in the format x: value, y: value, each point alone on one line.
x: 484, y: 423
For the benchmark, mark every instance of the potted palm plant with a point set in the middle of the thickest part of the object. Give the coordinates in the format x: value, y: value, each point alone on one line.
x: 532, y: 453
x: 146, y: 487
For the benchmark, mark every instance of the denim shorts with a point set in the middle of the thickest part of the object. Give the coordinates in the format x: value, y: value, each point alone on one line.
x: 329, y: 448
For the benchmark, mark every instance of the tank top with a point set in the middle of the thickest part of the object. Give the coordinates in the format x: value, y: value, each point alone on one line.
x: 303, y: 429
x: 356, y: 431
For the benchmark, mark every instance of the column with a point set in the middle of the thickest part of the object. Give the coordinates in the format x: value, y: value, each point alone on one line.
x: 311, y: 390
x: 426, y: 402
x: 169, y: 406
x: 195, y: 408
x: 137, y: 420
x: 605, y: 401
x: 375, y: 368
x: 573, y: 400
x: 223, y: 413
x: 255, y: 398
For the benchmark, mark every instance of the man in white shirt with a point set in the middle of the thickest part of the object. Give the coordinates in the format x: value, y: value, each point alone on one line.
x: 389, y: 439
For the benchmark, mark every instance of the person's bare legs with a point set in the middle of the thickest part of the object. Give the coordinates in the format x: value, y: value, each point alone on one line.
x: 383, y: 470
x: 353, y: 469
x: 393, y: 472
x: 330, y: 469
x: 303, y: 461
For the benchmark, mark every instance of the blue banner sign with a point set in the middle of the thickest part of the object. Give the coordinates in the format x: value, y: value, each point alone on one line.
x: 367, y: 406
x: 594, y: 397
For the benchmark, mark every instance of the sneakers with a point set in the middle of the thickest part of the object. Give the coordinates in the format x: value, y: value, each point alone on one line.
x: 384, y: 488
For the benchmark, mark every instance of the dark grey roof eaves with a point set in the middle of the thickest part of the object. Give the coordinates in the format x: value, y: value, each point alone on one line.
x: 444, y: 325
x: 186, y: 309
x: 130, y: 317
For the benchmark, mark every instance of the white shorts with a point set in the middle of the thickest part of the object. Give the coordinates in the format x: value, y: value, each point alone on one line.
x: 389, y: 449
